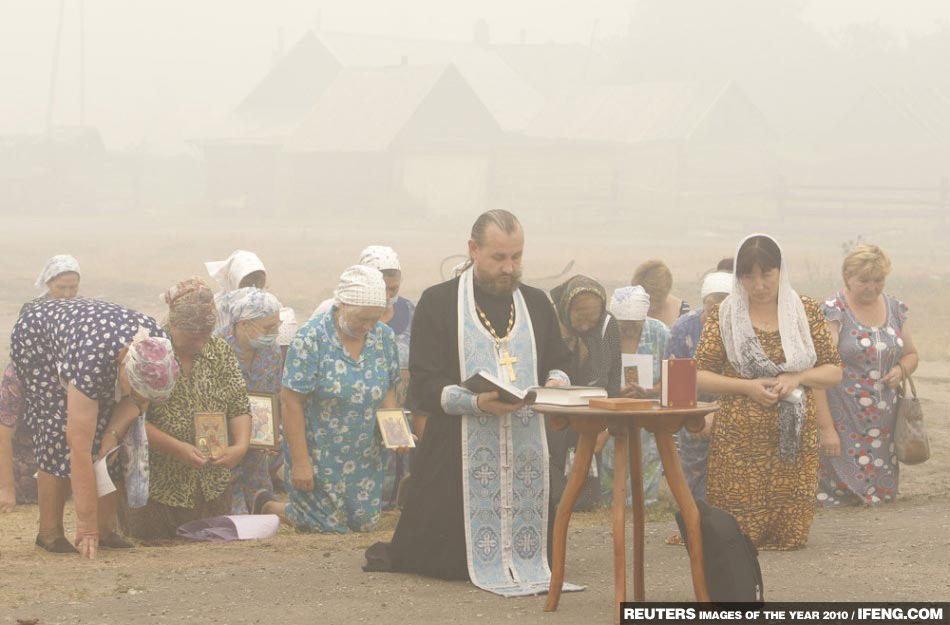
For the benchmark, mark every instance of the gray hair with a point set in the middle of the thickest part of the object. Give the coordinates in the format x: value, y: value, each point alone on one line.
x: 505, y: 221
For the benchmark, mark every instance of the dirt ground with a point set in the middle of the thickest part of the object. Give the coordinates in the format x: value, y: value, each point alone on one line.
x: 896, y: 552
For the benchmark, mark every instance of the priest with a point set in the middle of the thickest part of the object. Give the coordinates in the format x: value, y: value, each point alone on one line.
x: 477, y: 505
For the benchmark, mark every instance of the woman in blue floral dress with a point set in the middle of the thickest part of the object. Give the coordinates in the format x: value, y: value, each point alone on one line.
x: 858, y: 464
x: 251, y: 326
x: 341, y: 368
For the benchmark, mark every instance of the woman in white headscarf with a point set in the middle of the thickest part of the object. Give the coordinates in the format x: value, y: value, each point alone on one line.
x: 763, y: 350
x: 60, y: 280
x: 341, y: 368
x: 252, y: 334
x: 639, y: 334
x: 240, y: 270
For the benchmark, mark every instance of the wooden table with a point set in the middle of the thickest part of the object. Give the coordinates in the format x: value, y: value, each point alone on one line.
x: 625, y: 427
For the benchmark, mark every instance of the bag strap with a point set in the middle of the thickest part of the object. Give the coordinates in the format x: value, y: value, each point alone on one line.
x: 905, y: 379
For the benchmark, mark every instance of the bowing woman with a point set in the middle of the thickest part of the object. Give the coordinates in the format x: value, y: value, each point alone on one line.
x: 764, y: 350
x: 88, y: 369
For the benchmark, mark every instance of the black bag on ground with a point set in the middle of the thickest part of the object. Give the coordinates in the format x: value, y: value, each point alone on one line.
x: 731, y: 561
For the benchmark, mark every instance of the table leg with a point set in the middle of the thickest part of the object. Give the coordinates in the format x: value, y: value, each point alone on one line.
x: 687, y: 506
x: 636, y: 482
x: 620, y: 502
x: 575, y: 483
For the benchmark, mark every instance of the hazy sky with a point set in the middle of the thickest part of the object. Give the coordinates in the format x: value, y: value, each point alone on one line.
x: 161, y: 71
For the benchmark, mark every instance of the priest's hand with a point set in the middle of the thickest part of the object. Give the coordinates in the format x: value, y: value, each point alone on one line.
x: 489, y: 402
x: 556, y: 382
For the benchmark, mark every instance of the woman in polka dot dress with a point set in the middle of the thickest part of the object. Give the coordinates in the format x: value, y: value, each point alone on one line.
x: 873, y: 341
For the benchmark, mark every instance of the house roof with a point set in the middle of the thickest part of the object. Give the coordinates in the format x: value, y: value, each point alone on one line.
x: 651, y: 112
x: 370, y: 109
x: 551, y: 68
x: 511, y: 100
x: 896, y: 113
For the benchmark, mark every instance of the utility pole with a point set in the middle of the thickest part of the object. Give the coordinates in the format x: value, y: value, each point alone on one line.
x: 55, y: 69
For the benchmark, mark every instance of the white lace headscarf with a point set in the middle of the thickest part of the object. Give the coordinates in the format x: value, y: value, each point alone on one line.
x: 56, y: 266
x: 746, y: 355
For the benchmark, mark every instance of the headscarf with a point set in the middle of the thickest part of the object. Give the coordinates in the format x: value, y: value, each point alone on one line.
x: 191, y: 306
x: 251, y: 303
x: 151, y: 366
x: 56, y: 266
x: 716, y: 282
x: 380, y: 257
x: 630, y: 303
x: 228, y: 273
x: 361, y: 286
x: 747, y: 356
x: 288, y: 326
x: 587, y: 350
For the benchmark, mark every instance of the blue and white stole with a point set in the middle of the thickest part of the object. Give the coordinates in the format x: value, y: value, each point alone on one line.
x: 504, y: 462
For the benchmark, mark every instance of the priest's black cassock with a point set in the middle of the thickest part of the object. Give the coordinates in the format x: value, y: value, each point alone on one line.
x: 430, y: 537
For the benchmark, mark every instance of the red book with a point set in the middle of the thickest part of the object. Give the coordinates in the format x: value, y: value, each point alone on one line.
x: 678, y: 383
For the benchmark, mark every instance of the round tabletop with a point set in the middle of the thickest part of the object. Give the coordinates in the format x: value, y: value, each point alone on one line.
x: 702, y: 408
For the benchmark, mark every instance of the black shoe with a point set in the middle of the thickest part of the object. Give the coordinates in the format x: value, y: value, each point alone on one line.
x: 60, y: 545
x: 113, y: 540
x: 261, y: 498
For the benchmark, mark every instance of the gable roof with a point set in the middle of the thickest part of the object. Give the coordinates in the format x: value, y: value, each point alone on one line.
x: 897, y: 114
x: 511, y: 100
x: 652, y: 112
x: 291, y: 87
x: 372, y: 109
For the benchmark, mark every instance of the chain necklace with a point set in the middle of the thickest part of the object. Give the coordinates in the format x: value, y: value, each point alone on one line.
x: 506, y: 360
x: 491, y: 330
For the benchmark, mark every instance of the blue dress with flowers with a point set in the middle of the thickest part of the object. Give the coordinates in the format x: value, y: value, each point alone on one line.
x: 262, y: 375
x: 344, y: 443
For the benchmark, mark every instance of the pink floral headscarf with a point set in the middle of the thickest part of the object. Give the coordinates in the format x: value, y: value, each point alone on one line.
x: 151, y: 366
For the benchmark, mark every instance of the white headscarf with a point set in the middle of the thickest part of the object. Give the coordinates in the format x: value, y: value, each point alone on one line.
x: 288, y: 326
x: 747, y: 356
x: 630, y: 303
x: 55, y: 266
x: 380, y: 257
x: 229, y: 272
x: 716, y: 282
x: 251, y: 303
x: 361, y: 286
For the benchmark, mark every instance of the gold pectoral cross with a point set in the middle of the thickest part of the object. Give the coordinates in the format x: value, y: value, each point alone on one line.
x: 506, y: 360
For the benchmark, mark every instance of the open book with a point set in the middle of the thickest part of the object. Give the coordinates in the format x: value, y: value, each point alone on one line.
x: 483, y: 382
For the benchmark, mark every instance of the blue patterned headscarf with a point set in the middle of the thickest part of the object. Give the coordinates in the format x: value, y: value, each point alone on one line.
x: 251, y: 303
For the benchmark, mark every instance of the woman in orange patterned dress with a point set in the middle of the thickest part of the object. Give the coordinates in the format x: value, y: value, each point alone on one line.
x: 763, y: 351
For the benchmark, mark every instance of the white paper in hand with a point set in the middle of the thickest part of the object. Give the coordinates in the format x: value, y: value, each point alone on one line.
x: 104, y: 484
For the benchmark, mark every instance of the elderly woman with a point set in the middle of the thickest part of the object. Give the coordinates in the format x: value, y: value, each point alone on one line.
x: 88, y: 369
x: 639, y: 334
x: 240, y: 270
x: 593, y: 338
x: 684, y: 338
x: 186, y: 483
x: 252, y: 335
x: 60, y: 280
x: 764, y: 350
x: 398, y: 316
x: 341, y: 368
x: 657, y: 279
x: 874, y: 343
